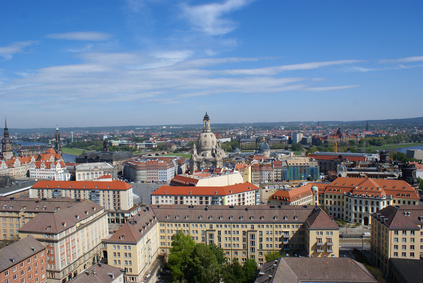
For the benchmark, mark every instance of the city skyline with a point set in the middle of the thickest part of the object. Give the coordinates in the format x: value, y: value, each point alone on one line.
x: 97, y: 63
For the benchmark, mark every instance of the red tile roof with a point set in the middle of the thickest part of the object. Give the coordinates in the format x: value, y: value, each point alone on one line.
x: 370, y: 187
x: 204, y: 191
x: 294, y: 194
x: 180, y: 180
x: 84, y: 185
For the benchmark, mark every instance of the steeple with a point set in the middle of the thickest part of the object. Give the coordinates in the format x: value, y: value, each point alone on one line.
x: 58, y: 142
x: 206, y: 123
x: 6, y: 144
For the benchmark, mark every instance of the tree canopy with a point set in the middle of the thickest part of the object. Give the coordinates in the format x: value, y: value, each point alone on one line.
x: 191, y: 262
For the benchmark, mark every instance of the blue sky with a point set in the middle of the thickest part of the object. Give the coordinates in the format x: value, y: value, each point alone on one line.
x: 153, y: 62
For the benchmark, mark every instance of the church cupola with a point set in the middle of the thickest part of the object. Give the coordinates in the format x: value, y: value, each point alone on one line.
x: 206, y: 123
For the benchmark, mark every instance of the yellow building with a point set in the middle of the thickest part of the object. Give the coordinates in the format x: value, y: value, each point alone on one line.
x: 133, y: 247
x: 15, y: 212
x: 250, y: 231
x: 397, y: 232
x: 322, y: 235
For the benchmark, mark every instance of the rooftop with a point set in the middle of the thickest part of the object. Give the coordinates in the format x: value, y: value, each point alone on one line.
x: 19, y: 251
x: 205, y: 191
x: 83, y: 185
x: 307, y: 269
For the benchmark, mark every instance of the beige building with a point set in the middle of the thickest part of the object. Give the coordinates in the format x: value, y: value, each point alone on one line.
x: 112, y: 195
x: 239, y: 194
x: 134, y: 247
x: 92, y: 171
x: 15, y: 212
x: 72, y: 237
x: 251, y: 231
x: 355, y: 199
x: 151, y: 170
x: 397, y: 232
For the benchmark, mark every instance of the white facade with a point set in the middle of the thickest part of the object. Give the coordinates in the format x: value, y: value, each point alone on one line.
x: 112, y: 195
x: 92, y: 171
x: 49, y: 171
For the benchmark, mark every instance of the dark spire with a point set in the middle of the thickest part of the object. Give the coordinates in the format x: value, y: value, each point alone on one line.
x: 206, y: 117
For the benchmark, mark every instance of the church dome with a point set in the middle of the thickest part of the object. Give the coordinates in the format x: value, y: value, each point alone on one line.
x: 206, y: 141
x: 264, y: 146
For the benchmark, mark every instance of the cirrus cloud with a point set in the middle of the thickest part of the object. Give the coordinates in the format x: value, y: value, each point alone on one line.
x: 81, y: 36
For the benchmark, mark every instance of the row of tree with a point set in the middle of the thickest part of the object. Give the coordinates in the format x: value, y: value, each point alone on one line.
x: 192, y: 262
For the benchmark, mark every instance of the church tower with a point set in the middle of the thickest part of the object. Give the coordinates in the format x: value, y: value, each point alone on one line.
x: 6, y: 144
x: 58, y: 142
x: 206, y: 124
x: 208, y: 154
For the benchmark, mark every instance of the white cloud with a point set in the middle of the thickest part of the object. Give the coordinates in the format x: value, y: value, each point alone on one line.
x: 330, y: 88
x: 81, y: 36
x: 403, y: 60
x: 85, y: 48
x: 295, y: 67
x: 209, y: 17
x: 7, y: 52
x: 102, y: 78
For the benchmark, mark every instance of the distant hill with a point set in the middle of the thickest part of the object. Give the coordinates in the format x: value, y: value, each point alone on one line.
x: 401, y: 123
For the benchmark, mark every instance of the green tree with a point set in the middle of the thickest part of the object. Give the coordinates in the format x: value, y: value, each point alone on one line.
x: 218, y: 252
x: 233, y: 273
x: 203, y: 265
x: 180, y: 255
x: 250, y: 270
x: 297, y: 147
x: 272, y: 256
x: 420, y: 184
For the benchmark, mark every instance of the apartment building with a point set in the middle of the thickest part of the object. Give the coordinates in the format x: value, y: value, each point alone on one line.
x: 296, y: 196
x: 72, y: 237
x: 397, y: 232
x: 151, y: 170
x: 134, y: 246
x: 251, y: 231
x: 355, y: 199
x: 23, y: 261
x: 290, y: 169
x: 238, y: 194
x: 93, y: 171
x: 113, y: 195
x: 15, y: 212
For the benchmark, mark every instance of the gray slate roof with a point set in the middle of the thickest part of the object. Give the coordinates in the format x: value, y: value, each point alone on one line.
x: 307, y: 269
x: 19, y: 251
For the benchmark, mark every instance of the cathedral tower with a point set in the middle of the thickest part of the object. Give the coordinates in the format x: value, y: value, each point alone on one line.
x: 6, y: 144
x: 58, y: 142
x: 208, y: 154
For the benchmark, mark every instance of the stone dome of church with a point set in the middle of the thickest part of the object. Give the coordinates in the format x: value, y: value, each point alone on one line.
x: 264, y: 146
x: 207, y: 152
x: 206, y: 141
